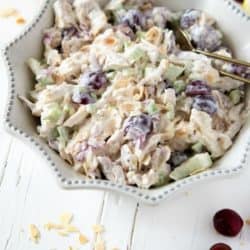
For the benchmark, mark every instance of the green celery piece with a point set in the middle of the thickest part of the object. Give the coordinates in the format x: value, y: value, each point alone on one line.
x: 163, y: 179
x: 54, y: 113
x: 63, y: 135
x: 195, y: 164
x: 173, y: 72
x: 235, y: 96
x: 197, y: 147
x: 35, y: 66
x: 179, y: 86
x: 151, y: 108
x: 137, y: 54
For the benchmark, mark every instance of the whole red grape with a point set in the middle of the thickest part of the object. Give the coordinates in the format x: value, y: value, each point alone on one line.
x: 227, y: 222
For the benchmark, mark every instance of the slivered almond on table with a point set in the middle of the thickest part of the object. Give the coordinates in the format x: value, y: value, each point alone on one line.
x: 12, y: 12
x: 34, y: 233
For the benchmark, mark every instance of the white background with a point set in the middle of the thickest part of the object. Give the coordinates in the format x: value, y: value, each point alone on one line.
x: 29, y: 194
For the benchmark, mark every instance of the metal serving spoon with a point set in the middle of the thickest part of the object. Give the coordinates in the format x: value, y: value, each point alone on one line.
x: 185, y: 44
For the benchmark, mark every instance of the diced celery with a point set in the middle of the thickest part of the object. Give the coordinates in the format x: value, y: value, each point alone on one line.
x: 68, y: 109
x: 91, y: 108
x: 35, y: 66
x: 63, y: 135
x: 171, y: 112
x: 163, y: 179
x: 54, y: 113
x: 197, y: 147
x: 44, y: 81
x: 148, y: 71
x: 140, y: 34
x: 111, y: 75
x: 173, y: 72
x: 235, y: 96
x: 179, y: 86
x: 128, y: 72
x: 137, y: 54
x: 195, y: 164
x: 151, y: 108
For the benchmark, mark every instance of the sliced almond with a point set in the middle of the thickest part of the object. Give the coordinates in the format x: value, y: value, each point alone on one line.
x: 51, y: 225
x: 83, y: 239
x: 62, y: 233
x: 8, y: 12
x: 154, y: 35
x: 71, y: 229
x: 20, y: 20
x: 98, y: 228
x: 99, y: 244
x: 66, y: 218
x: 34, y: 233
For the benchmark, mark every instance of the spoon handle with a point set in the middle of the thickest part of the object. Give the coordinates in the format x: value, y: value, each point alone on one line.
x: 224, y: 73
x: 223, y: 58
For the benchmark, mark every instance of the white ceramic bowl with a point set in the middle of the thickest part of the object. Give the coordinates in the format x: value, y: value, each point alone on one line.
x: 19, y: 121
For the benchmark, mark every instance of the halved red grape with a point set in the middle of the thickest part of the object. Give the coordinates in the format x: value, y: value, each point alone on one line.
x: 134, y: 19
x: 81, y: 97
x: 240, y: 70
x: 228, y: 222
x: 220, y: 246
x: 205, y: 103
x: 70, y: 32
x: 205, y: 37
x: 189, y: 18
x: 126, y: 30
x: 93, y: 80
x: 138, y: 127
x: 197, y: 87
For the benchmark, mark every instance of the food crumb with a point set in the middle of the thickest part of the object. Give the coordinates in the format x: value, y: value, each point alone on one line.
x: 66, y: 218
x: 242, y: 243
x: 71, y: 229
x: 8, y: 12
x: 62, y: 233
x: 98, y: 228
x: 83, y: 239
x: 20, y: 20
x: 99, y: 244
x: 248, y: 221
x: 34, y: 233
x: 51, y: 225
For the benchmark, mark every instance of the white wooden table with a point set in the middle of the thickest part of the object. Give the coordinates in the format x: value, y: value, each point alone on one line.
x: 29, y: 194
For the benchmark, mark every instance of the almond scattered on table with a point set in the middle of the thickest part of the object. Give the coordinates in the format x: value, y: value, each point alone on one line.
x: 50, y: 225
x: 83, y: 239
x: 12, y: 12
x: 99, y: 244
x: 8, y: 12
x: 34, y: 233
x: 20, y: 20
x: 248, y: 221
x: 98, y: 228
x: 66, y: 218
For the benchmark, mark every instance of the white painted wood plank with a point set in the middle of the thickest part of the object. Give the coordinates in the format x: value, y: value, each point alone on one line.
x: 36, y: 198
x: 118, y: 218
x: 185, y: 221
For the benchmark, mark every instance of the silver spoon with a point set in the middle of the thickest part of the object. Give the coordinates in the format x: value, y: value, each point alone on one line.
x: 185, y: 44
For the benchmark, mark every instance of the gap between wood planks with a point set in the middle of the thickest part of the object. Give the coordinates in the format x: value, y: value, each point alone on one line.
x: 131, y: 240
x: 5, y: 163
x: 119, y: 200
